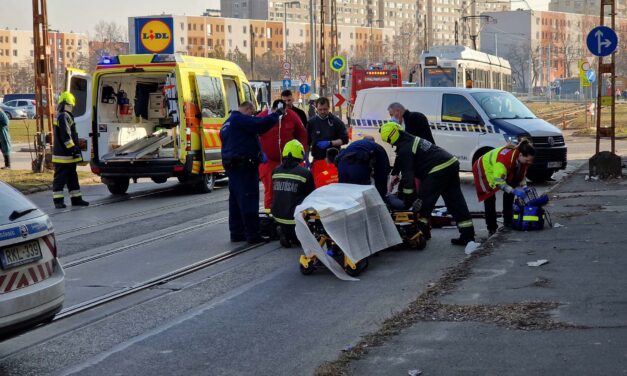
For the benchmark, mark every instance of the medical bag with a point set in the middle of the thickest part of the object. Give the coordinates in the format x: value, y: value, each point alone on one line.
x: 529, y: 213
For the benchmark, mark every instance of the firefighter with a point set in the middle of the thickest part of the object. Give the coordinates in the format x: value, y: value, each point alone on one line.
x: 502, y: 169
x: 362, y: 160
x: 291, y: 184
x: 286, y: 129
x: 324, y: 131
x: 241, y: 155
x: 438, y: 171
x: 66, y: 154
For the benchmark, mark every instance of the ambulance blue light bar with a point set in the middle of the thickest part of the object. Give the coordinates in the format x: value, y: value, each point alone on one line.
x: 166, y: 58
x: 109, y: 60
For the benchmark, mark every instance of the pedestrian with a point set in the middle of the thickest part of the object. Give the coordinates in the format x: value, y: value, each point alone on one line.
x: 438, y: 171
x: 288, y: 98
x: 502, y: 169
x: 414, y: 123
x: 324, y: 131
x: 66, y: 154
x: 326, y: 173
x: 5, y: 139
x: 289, y: 127
x: 291, y: 184
x: 241, y: 155
x: 311, y: 112
x: 362, y: 160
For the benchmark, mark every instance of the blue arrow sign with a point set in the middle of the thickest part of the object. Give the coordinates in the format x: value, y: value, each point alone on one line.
x: 338, y: 63
x: 591, y: 75
x: 602, y: 41
x: 287, y: 83
x: 304, y: 88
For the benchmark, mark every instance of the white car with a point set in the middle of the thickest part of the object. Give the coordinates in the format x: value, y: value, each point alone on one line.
x: 32, y: 281
x: 26, y: 105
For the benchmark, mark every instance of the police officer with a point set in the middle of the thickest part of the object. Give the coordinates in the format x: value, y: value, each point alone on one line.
x: 291, y: 183
x: 439, y: 174
x: 241, y: 155
x: 66, y: 154
x: 362, y: 160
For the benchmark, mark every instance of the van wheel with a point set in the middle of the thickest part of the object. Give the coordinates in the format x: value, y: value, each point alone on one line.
x: 206, y: 183
x: 118, y: 186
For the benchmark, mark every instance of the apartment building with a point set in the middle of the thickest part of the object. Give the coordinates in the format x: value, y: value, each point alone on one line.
x: 67, y: 49
x: 553, y: 42
x: 591, y: 7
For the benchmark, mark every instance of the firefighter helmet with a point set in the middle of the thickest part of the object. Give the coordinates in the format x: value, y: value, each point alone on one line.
x: 390, y: 132
x: 67, y: 97
x: 294, y: 149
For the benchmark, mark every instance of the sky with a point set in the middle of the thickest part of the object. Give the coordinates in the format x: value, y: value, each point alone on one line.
x: 81, y: 15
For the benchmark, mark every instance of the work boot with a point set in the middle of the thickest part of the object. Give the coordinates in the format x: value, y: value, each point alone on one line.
x: 7, y: 162
x: 78, y: 201
x: 58, y: 204
x: 283, y: 238
x: 466, y: 235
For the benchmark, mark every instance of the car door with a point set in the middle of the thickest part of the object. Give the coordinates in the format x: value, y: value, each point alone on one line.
x: 79, y: 83
x: 459, y: 128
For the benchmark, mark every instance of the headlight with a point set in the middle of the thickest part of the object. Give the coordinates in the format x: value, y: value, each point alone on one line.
x: 511, y: 139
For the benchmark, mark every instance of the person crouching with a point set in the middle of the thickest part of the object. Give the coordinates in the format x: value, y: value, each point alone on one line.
x: 291, y: 183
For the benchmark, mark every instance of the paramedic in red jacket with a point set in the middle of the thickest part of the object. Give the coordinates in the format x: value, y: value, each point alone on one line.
x: 288, y: 128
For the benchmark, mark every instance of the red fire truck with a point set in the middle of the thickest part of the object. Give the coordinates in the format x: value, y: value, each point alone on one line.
x: 374, y: 75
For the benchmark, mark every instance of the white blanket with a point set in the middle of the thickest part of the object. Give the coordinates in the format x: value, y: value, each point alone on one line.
x: 354, y: 216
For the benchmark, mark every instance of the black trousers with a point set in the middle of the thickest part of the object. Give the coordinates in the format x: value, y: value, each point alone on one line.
x: 65, y: 174
x: 446, y: 183
x: 490, y: 210
x: 244, y: 202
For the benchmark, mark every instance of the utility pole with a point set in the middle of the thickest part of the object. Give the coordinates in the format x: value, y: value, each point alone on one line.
x: 43, y: 85
x: 548, y: 74
x: 252, y: 52
x: 312, y: 36
x: 323, y: 76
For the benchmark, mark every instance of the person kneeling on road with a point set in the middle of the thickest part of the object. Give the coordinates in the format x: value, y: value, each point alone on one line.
x: 291, y: 183
x: 502, y: 169
x: 66, y: 154
x: 438, y: 171
x: 362, y: 160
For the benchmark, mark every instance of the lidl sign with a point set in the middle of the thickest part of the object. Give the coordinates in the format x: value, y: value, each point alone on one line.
x: 154, y: 36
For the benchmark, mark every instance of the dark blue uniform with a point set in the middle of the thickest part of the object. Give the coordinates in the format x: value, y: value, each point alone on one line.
x: 241, y: 155
x: 361, y: 160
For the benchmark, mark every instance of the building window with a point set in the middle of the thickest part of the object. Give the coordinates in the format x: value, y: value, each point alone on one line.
x: 14, y: 52
x: 245, y: 43
x: 230, y: 30
x: 244, y: 29
x: 189, y: 27
x: 182, y: 26
x: 182, y: 40
x: 14, y: 39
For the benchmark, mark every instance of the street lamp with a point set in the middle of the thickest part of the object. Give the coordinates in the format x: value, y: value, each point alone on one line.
x: 285, y: 4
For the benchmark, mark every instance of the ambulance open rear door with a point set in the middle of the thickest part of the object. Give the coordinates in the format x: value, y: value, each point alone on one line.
x: 79, y: 83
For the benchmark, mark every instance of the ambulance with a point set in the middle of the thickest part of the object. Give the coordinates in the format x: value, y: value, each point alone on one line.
x: 466, y: 122
x: 156, y: 116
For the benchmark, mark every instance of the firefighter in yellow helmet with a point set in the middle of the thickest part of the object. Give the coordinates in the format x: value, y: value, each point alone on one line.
x: 438, y: 172
x: 291, y: 183
x: 66, y: 154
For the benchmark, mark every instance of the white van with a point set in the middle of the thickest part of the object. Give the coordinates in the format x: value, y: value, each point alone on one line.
x: 465, y: 122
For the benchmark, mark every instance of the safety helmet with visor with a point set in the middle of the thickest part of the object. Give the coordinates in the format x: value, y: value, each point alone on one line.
x: 294, y: 149
x: 390, y: 132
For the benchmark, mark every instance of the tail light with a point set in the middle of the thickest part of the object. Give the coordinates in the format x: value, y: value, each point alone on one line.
x: 350, y: 133
x: 178, y: 168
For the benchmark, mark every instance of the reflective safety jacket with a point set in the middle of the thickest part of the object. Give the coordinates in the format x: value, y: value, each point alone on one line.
x: 65, y: 148
x: 497, y: 169
x: 417, y: 158
x: 291, y: 183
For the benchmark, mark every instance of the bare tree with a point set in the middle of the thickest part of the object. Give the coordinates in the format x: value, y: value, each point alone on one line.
x: 21, y: 77
x: 109, y: 32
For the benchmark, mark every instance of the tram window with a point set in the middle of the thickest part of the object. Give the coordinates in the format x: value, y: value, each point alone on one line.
x: 439, y: 77
x: 456, y: 108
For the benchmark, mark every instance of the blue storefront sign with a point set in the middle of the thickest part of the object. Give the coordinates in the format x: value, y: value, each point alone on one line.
x: 154, y: 36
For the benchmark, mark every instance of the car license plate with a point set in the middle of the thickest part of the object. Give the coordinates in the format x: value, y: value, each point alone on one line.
x: 554, y: 164
x: 20, y: 254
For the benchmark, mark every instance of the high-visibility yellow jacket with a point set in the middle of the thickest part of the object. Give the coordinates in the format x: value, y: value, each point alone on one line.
x: 496, y: 169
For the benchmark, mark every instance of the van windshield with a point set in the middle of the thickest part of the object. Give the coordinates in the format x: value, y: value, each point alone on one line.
x: 502, y: 105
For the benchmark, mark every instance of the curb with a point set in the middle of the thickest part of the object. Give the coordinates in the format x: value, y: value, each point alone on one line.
x: 47, y: 187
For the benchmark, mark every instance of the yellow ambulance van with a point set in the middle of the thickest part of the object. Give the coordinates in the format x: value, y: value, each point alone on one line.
x: 156, y: 116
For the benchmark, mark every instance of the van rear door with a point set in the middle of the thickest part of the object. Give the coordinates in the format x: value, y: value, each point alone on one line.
x: 79, y: 83
x: 212, y: 103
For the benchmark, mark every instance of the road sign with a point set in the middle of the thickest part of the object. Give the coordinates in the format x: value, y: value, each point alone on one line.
x: 584, y: 67
x: 602, y: 41
x: 340, y: 100
x: 287, y: 83
x: 303, y: 78
x: 304, y: 88
x: 591, y: 75
x: 287, y: 65
x: 606, y: 100
x: 337, y: 63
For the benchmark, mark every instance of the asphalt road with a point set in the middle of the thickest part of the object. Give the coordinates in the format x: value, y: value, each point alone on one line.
x: 252, y: 314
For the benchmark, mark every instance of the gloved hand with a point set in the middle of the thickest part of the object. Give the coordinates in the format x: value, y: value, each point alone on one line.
x: 76, y: 150
x: 519, y: 193
x: 280, y: 111
x: 526, y: 189
x: 263, y: 158
x: 323, y: 144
